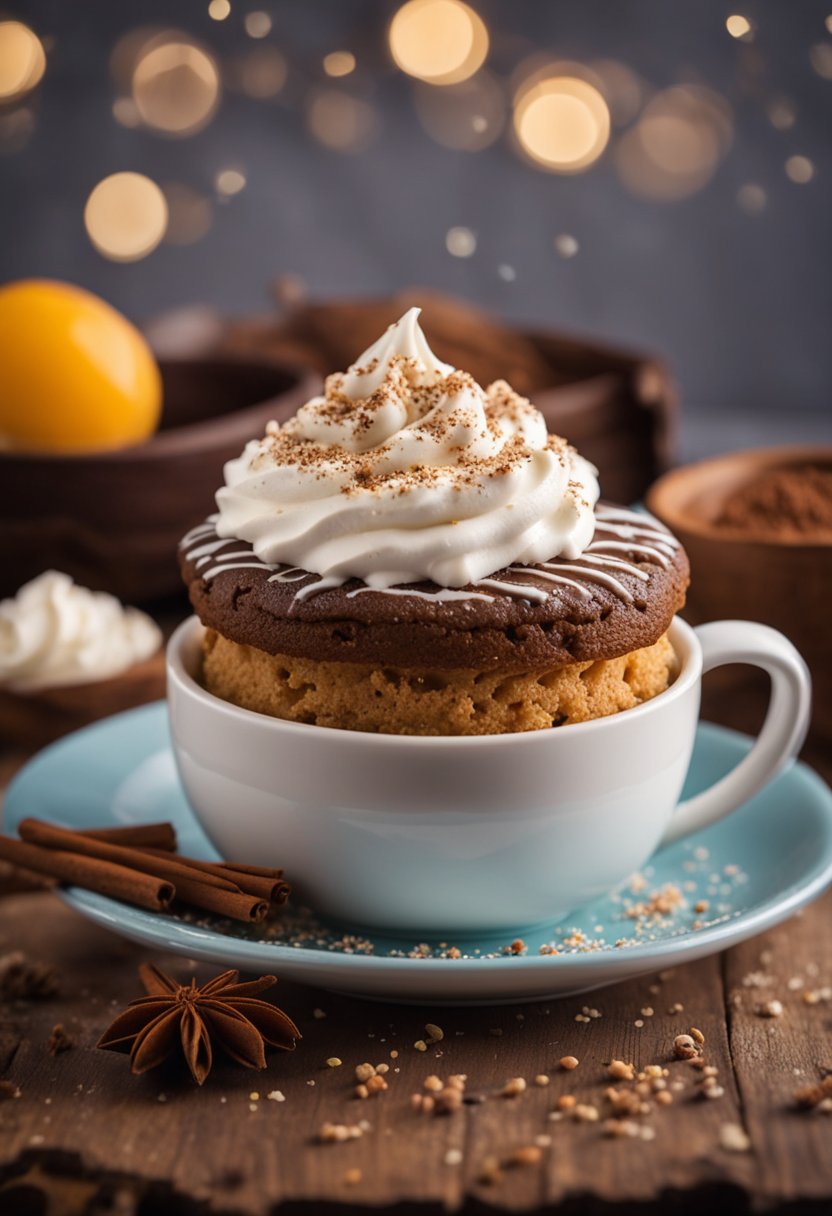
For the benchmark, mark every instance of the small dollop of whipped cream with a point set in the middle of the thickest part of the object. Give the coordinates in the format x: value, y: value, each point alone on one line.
x: 55, y: 633
x: 407, y: 470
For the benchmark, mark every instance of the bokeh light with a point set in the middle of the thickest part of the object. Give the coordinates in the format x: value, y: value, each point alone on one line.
x: 799, y: 169
x: 507, y: 273
x: 22, y: 60
x: 739, y: 26
x: 175, y: 85
x: 126, y: 216
x: 561, y: 123
x: 820, y: 57
x: 782, y: 113
x: 261, y: 73
x: 566, y: 246
x: 341, y: 122
x: 460, y: 242
x: 230, y: 182
x: 467, y: 116
x: 126, y: 113
x: 339, y: 63
x: 675, y: 147
x: 190, y: 214
x: 752, y: 198
x: 16, y: 128
x: 218, y: 10
x: 258, y: 24
x: 439, y: 41
x: 622, y: 88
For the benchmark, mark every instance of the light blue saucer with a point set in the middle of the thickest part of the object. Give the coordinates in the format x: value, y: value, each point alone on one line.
x: 735, y: 879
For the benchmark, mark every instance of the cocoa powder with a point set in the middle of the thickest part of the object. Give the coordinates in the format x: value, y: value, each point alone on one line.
x: 793, y: 500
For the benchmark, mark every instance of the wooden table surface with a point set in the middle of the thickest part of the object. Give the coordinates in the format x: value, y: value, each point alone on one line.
x: 85, y: 1136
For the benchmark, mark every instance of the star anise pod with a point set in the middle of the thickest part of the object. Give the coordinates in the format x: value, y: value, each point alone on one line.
x: 222, y: 1011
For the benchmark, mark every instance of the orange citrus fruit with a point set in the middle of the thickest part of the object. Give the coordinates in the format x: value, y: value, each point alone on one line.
x: 75, y: 375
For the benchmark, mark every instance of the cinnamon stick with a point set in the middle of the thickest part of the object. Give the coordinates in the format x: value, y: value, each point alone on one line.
x: 50, y: 836
x: 274, y: 890
x: 208, y: 891
x: 235, y: 904
x: 140, y: 835
x: 245, y: 868
x: 94, y: 874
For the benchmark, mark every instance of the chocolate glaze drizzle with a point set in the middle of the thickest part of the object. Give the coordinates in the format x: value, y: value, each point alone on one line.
x: 619, y: 534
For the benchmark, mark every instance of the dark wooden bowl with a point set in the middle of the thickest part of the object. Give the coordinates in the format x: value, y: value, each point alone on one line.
x: 112, y: 520
x: 783, y: 581
x: 31, y: 720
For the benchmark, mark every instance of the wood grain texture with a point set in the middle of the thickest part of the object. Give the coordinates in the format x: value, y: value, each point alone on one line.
x: 84, y: 1130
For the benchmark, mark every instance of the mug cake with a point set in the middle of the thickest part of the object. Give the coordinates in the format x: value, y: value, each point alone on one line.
x: 414, y: 554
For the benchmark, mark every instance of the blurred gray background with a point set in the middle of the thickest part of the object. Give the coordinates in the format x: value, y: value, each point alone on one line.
x: 731, y: 282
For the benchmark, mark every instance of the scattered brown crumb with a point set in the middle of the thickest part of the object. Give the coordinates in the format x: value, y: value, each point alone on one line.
x: 352, y: 1177
x: 566, y: 1102
x: 620, y: 1128
x: 810, y: 1096
x: 422, y: 1102
x: 733, y: 1138
x: 435, y: 1033
x: 541, y: 1080
x: 569, y: 1062
x: 334, y: 1062
x: 361, y: 1091
x: 518, y: 946
x: 22, y: 980
x: 625, y: 1101
x: 420, y: 1045
x: 513, y: 1087
x: 769, y: 1009
x: 529, y: 1154
x: 684, y: 1047
x: 621, y: 1071
x: 697, y: 1036
x: 336, y: 1133
x: 664, y: 1097
x: 449, y: 1100
x: 443, y: 1097
x: 8, y: 1090
x: 490, y: 1172
x: 660, y: 904
x: 363, y: 1072
x: 59, y: 1041
x: 585, y: 1113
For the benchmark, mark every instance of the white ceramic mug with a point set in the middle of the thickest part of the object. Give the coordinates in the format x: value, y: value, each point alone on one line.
x: 477, y: 833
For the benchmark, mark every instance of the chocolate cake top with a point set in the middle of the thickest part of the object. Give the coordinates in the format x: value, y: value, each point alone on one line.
x: 619, y: 595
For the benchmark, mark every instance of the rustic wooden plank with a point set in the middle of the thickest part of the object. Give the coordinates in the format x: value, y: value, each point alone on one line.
x: 217, y: 1145
x: 773, y: 1057
x: 581, y: 1160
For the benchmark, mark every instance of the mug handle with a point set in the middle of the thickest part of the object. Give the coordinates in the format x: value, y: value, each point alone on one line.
x: 784, y: 729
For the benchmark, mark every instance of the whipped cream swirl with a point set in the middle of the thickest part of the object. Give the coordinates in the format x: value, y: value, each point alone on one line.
x: 56, y: 633
x: 407, y: 470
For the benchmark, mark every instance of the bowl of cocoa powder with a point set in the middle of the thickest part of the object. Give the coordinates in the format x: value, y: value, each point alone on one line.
x: 757, y: 527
